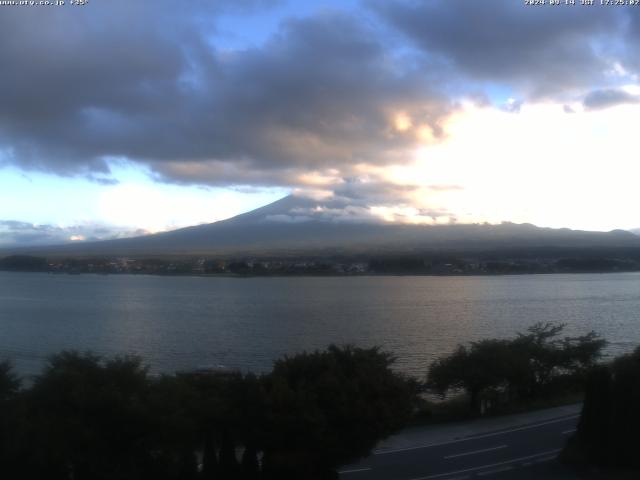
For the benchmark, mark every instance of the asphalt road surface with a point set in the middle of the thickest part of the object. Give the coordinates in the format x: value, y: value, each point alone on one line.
x: 526, y: 451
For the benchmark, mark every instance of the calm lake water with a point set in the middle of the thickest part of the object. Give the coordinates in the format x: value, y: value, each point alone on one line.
x: 186, y: 322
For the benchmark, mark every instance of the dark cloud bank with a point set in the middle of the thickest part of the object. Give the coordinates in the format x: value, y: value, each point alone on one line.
x: 81, y: 87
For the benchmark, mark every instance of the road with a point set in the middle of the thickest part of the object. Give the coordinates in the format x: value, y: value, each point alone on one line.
x: 525, y: 450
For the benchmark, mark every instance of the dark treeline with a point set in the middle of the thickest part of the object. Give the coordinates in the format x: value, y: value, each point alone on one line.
x: 88, y: 418
x: 24, y: 263
x: 477, y: 263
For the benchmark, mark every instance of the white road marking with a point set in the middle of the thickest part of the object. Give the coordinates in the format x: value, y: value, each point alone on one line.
x: 567, y: 432
x: 476, y: 451
x: 495, y: 470
x: 545, y: 459
x: 355, y: 470
x: 482, y: 467
x: 527, y: 427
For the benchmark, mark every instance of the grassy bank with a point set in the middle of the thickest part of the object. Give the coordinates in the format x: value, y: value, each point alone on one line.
x: 456, y: 409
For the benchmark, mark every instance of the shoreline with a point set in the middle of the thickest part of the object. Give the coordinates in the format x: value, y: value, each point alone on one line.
x: 322, y: 275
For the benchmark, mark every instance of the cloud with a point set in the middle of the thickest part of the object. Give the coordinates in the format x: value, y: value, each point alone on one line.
x: 537, y: 51
x: 24, y: 234
x: 375, y: 197
x: 324, y: 92
x: 333, y: 211
x: 328, y: 104
x: 610, y: 97
x: 86, y: 84
x: 512, y: 105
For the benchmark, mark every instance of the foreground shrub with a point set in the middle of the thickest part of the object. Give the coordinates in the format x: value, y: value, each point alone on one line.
x: 607, y: 431
x: 86, y: 418
x: 331, y: 408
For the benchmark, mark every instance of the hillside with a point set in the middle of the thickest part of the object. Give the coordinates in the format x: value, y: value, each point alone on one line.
x: 297, y: 226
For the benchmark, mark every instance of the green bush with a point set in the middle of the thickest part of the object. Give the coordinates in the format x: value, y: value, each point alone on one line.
x: 610, y: 419
x: 533, y: 365
x: 87, y: 418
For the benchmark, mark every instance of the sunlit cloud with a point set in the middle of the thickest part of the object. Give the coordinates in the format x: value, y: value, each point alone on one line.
x: 542, y: 166
x: 402, y: 122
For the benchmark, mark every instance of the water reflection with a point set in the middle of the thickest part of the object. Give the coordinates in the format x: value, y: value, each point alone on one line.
x: 184, y: 322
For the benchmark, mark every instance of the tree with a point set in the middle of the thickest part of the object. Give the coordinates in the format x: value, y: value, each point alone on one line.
x: 330, y: 408
x: 610, y: 419
x: 9, y: 381
x: 85, y: 417
x: 485, y: 365
x: 229, y: 412
x: 625, y: 412
x: 594, y: 425
x: 88, y: 418
x: 524, y: 367
x: 11, y: 425
x: 173, y: 428
x: 551, y: 357
x: 582, y: 353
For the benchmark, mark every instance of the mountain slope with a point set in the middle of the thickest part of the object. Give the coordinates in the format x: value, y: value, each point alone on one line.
x: 295, y: 225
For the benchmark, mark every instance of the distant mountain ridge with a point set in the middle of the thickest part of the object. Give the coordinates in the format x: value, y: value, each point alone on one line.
x: 295, y: 226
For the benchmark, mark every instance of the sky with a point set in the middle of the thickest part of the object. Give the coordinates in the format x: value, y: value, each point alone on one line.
x: 121, y: 118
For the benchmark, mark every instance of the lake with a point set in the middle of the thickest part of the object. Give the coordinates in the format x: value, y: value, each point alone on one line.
x: 178, y: 323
